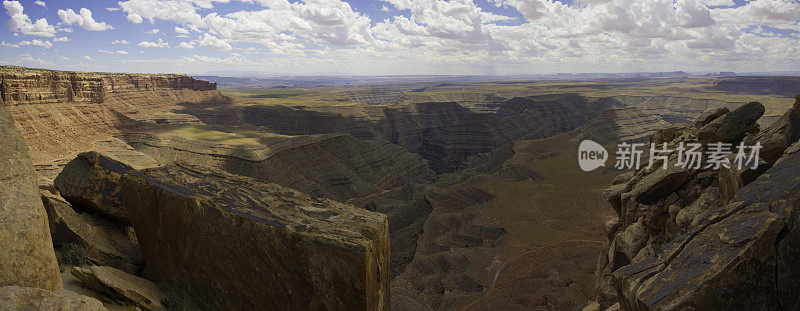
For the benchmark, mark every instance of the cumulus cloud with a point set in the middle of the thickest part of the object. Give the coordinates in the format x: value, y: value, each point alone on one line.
x: 214, y: 43
x: 154, y: 31
x: 37, y: 42
x: 159, y: 44
x: 181, y: 30
x: 182, y: 12
x: 120, y: 42
x: 10, y: 45
x: 186, y: 45
x: 61, y: 39
x: 84, y: 19
x: 40, y: 3
x: 113, y: 52
x: 19, y: 22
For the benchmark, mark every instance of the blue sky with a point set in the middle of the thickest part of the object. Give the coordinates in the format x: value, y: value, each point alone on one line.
x: 402, y: 37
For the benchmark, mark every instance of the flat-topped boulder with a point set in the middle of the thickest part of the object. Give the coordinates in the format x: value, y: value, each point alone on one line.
x: 26, y: 249
x: 120, y: 286
x: 231, y: 242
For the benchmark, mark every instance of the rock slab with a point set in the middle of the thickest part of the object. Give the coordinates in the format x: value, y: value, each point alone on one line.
x: 17, y: 298
x: 229, y: 242
x: 122, y: 286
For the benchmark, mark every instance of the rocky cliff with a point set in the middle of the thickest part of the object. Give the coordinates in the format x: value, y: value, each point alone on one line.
x: 622, y: 124
x: 61, y: 113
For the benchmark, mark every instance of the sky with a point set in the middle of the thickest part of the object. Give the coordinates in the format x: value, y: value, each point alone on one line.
x: 402, y: 37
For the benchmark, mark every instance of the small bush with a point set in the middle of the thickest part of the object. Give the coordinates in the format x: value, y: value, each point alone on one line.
x: 73, y: 254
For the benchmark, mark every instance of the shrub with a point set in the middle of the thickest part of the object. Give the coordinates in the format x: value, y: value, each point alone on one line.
x: 73, y: 254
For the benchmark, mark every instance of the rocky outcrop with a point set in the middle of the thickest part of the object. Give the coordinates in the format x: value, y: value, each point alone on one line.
x: 758, y: 85
x: 747, y: 250
x: 778, y: 135
x: 232, y: 242
x: 61, y: 113
x: 122, y: 287
x: 732, y: 126
x: 16, y: 298
x: 91, y: 181
x: 26, y: 249
x: 622, y: 124
x: 335, y: 166
x: 103, y: 242
x: 676, y: 244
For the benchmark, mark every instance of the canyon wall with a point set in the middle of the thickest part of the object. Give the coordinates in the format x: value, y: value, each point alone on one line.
x: 61, y: 113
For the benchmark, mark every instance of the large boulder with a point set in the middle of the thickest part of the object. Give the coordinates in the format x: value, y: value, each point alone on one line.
x: 228, y: 242
x: 123, y: 287
x: 744, y: 255
x: 732, y: 126
x: 26, y: 250
x: 91, y: 181
x: 710, y: 115
x: 17, y: 298
x: 104, y: 242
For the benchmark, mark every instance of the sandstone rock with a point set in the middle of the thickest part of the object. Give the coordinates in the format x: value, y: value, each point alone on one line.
x: 16, y: 298
x: 659, y: 184
x: 611, y: 228
x: 26, y: 249
x: 104, y: 242
x: 592, y: 306
x: 733, y: 125
x: 121, y: 286
x: 624, y: 177
x: 747, y: 249
x: 622, y: 124
x: 91, y: 181
x: 710, y: 115
x: 669, y: 133
x: 613, y: 196
x: 631, y: 241
x: 232, y: 242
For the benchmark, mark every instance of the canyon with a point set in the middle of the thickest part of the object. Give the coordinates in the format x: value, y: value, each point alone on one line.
x: 425, y: 196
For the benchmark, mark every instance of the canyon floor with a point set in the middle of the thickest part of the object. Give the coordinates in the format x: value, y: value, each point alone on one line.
x: 487, y: 208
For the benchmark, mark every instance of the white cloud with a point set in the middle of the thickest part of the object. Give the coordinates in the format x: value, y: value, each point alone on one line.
x: 84, y: 19
x: 182, y: 12
x: 113, y: 52
x: 181, y: 30
x: 214, y: 43
x: 186, y: 45
x: 159, y: 44
x: 40, y: 3
x: 21, y: 23
x: 10, y: 45
x: 61, y: 39
x: 154, y: 31
x: 112, y: 9
x: 87, y: 57
x: 120, y: 42
x: 37, y: 42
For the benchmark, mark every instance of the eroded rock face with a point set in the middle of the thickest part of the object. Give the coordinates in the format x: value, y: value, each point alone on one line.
x: 91, y: 181
x: 232, y: 242
x: 104, y: 242
x: 26, y: 249
x: 622, y: 124
x: 121, y: 286
x: 679, y: 245
x: 17, y: 298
